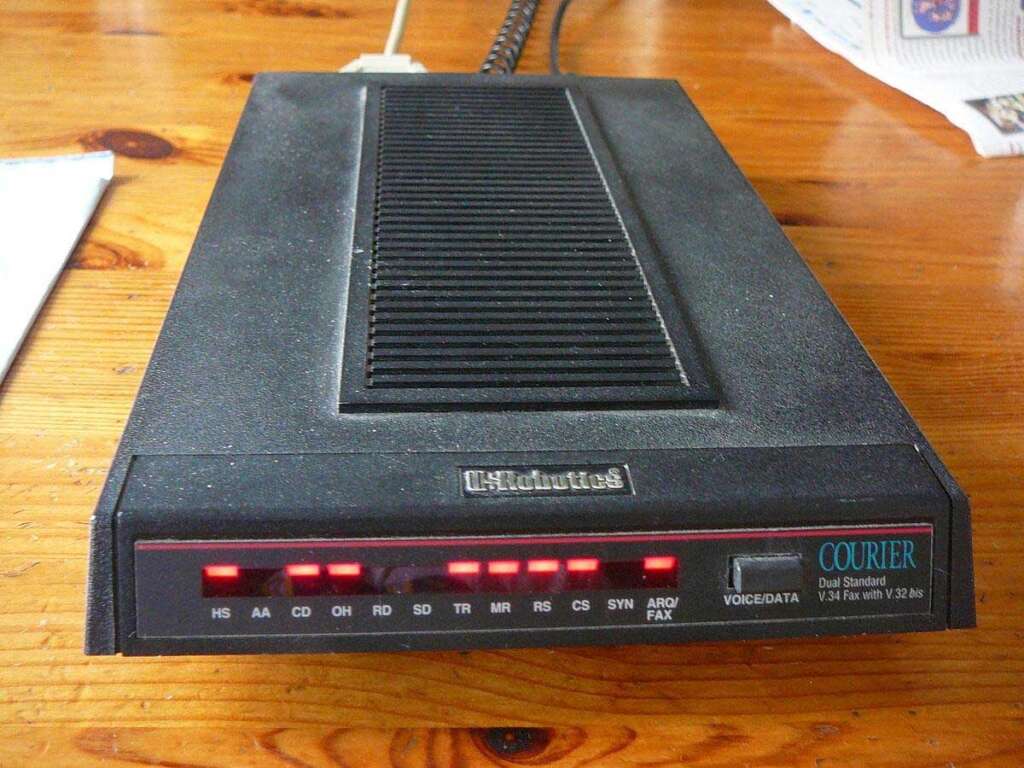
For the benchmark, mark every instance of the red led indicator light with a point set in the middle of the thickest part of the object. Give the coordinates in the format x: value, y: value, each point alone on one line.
x: 542, y: 566
x: 660, y: 563
x: 302, y: 570
x: 503, y: 567
x: 463, y: 568
x: 342, y: 570
x: 221, y: 572
x: 581, y: 564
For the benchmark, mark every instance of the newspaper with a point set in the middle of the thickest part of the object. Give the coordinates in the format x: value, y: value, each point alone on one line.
x: 964, y: 58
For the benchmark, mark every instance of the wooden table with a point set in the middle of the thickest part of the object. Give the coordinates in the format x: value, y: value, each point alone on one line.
x: 919, y: 242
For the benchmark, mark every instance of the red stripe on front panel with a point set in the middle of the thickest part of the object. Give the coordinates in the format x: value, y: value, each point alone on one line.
x: 610, y: 538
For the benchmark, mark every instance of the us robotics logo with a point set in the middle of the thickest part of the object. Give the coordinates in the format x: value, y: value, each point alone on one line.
x: 546, y: 481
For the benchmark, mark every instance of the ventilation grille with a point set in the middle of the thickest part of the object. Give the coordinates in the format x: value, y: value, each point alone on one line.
x: 492, y: 266
x: 499, y: 267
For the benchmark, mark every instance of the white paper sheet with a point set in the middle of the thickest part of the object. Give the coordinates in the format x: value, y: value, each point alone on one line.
x: 45, y: 203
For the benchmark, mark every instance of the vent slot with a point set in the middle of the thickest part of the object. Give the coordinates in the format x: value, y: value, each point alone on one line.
x: 499, y: 268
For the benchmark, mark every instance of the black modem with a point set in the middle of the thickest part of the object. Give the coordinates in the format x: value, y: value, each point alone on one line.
x: 483, y: 361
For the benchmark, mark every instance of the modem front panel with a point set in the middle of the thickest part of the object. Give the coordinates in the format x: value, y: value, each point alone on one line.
x: 530, y: 583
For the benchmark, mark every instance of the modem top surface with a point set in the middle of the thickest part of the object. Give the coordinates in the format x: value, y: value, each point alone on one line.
x: 256, y: 355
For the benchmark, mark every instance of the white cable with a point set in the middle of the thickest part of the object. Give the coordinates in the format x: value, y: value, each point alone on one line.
x: 390, y: 60
x: 397, y: 28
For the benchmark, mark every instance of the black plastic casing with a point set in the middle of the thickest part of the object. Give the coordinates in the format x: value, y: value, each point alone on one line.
x: 237, y: 432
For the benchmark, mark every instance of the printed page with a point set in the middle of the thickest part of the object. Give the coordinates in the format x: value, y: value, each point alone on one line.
x: 964, y: 58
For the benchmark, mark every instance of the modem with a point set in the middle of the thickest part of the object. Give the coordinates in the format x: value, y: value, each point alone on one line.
x: 472, y: 361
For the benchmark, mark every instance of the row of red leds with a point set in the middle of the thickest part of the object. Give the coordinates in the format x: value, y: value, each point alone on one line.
x: 572, y: 565
x: 220, y: 571
x: 532, y: 575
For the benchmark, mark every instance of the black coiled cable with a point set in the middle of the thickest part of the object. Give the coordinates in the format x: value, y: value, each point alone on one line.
x: 508, y: 45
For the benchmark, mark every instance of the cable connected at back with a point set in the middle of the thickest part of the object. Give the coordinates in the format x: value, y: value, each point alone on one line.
x: 508, y: 45
x: 556, y: 31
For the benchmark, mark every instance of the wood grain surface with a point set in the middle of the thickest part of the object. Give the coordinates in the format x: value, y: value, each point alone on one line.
x: 919, y: 242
